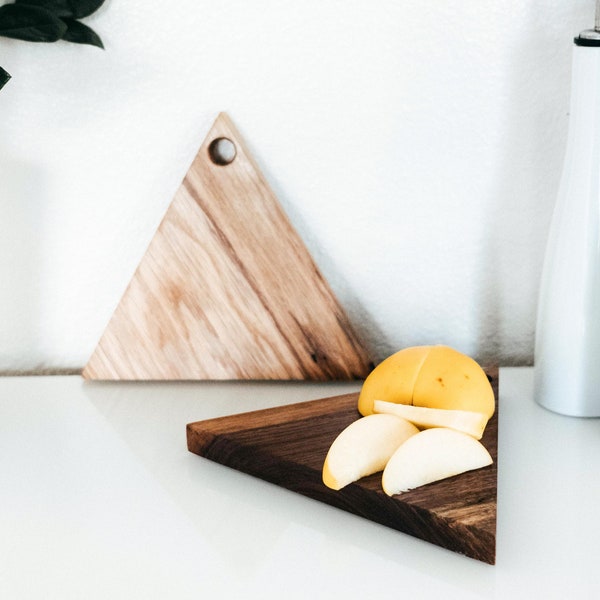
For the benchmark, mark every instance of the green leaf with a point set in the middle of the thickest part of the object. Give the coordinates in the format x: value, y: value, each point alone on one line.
x: 81, y: 34
x: 76, y: 9
x: 4, y: 77
x: 61, y: 8
x: 30, y: 23
x: 84, y: 8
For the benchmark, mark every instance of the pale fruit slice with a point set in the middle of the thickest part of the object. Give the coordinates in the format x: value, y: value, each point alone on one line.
x: 393, y: 380
x: 452, y: 380
x: 363, y: 448
x: 431, y: 455
x: 466, y: 421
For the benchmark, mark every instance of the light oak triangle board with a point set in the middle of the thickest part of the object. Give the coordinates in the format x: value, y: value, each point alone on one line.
x: 227, y: 289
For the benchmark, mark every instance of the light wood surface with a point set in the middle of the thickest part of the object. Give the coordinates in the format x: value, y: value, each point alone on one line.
x: 227, y: 290
x: 287, y: 446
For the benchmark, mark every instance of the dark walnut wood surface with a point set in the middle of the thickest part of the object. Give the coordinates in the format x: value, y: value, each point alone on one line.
x: 287, y: 446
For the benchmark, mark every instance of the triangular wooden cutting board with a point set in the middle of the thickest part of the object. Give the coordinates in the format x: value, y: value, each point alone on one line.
x: 287, y: 446
x: 227, y: 289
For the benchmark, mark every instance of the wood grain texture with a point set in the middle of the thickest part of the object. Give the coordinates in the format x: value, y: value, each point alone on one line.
x: 227, y: 290
x: 287, y: 446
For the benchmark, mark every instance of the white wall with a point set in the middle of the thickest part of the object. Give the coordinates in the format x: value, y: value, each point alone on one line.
x: 416, y: 147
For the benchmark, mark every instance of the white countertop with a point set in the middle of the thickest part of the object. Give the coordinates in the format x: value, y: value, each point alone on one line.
x: 99, y: 498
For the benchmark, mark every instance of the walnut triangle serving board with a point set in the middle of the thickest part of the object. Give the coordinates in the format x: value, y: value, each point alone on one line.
x: 227, y: 289
x: 287, y: 446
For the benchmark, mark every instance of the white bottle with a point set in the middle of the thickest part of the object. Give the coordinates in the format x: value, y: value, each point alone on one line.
x: 567, y: 348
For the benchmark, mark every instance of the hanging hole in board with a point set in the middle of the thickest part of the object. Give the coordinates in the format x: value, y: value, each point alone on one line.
x: 222, y: 151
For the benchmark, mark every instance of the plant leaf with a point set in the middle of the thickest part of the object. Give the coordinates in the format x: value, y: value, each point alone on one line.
x: 30, y: 23
x: 81, y: 34
x: 61, y: 8
x: 77, y: 9
x: 84, y: 8
x: 4, y: 77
